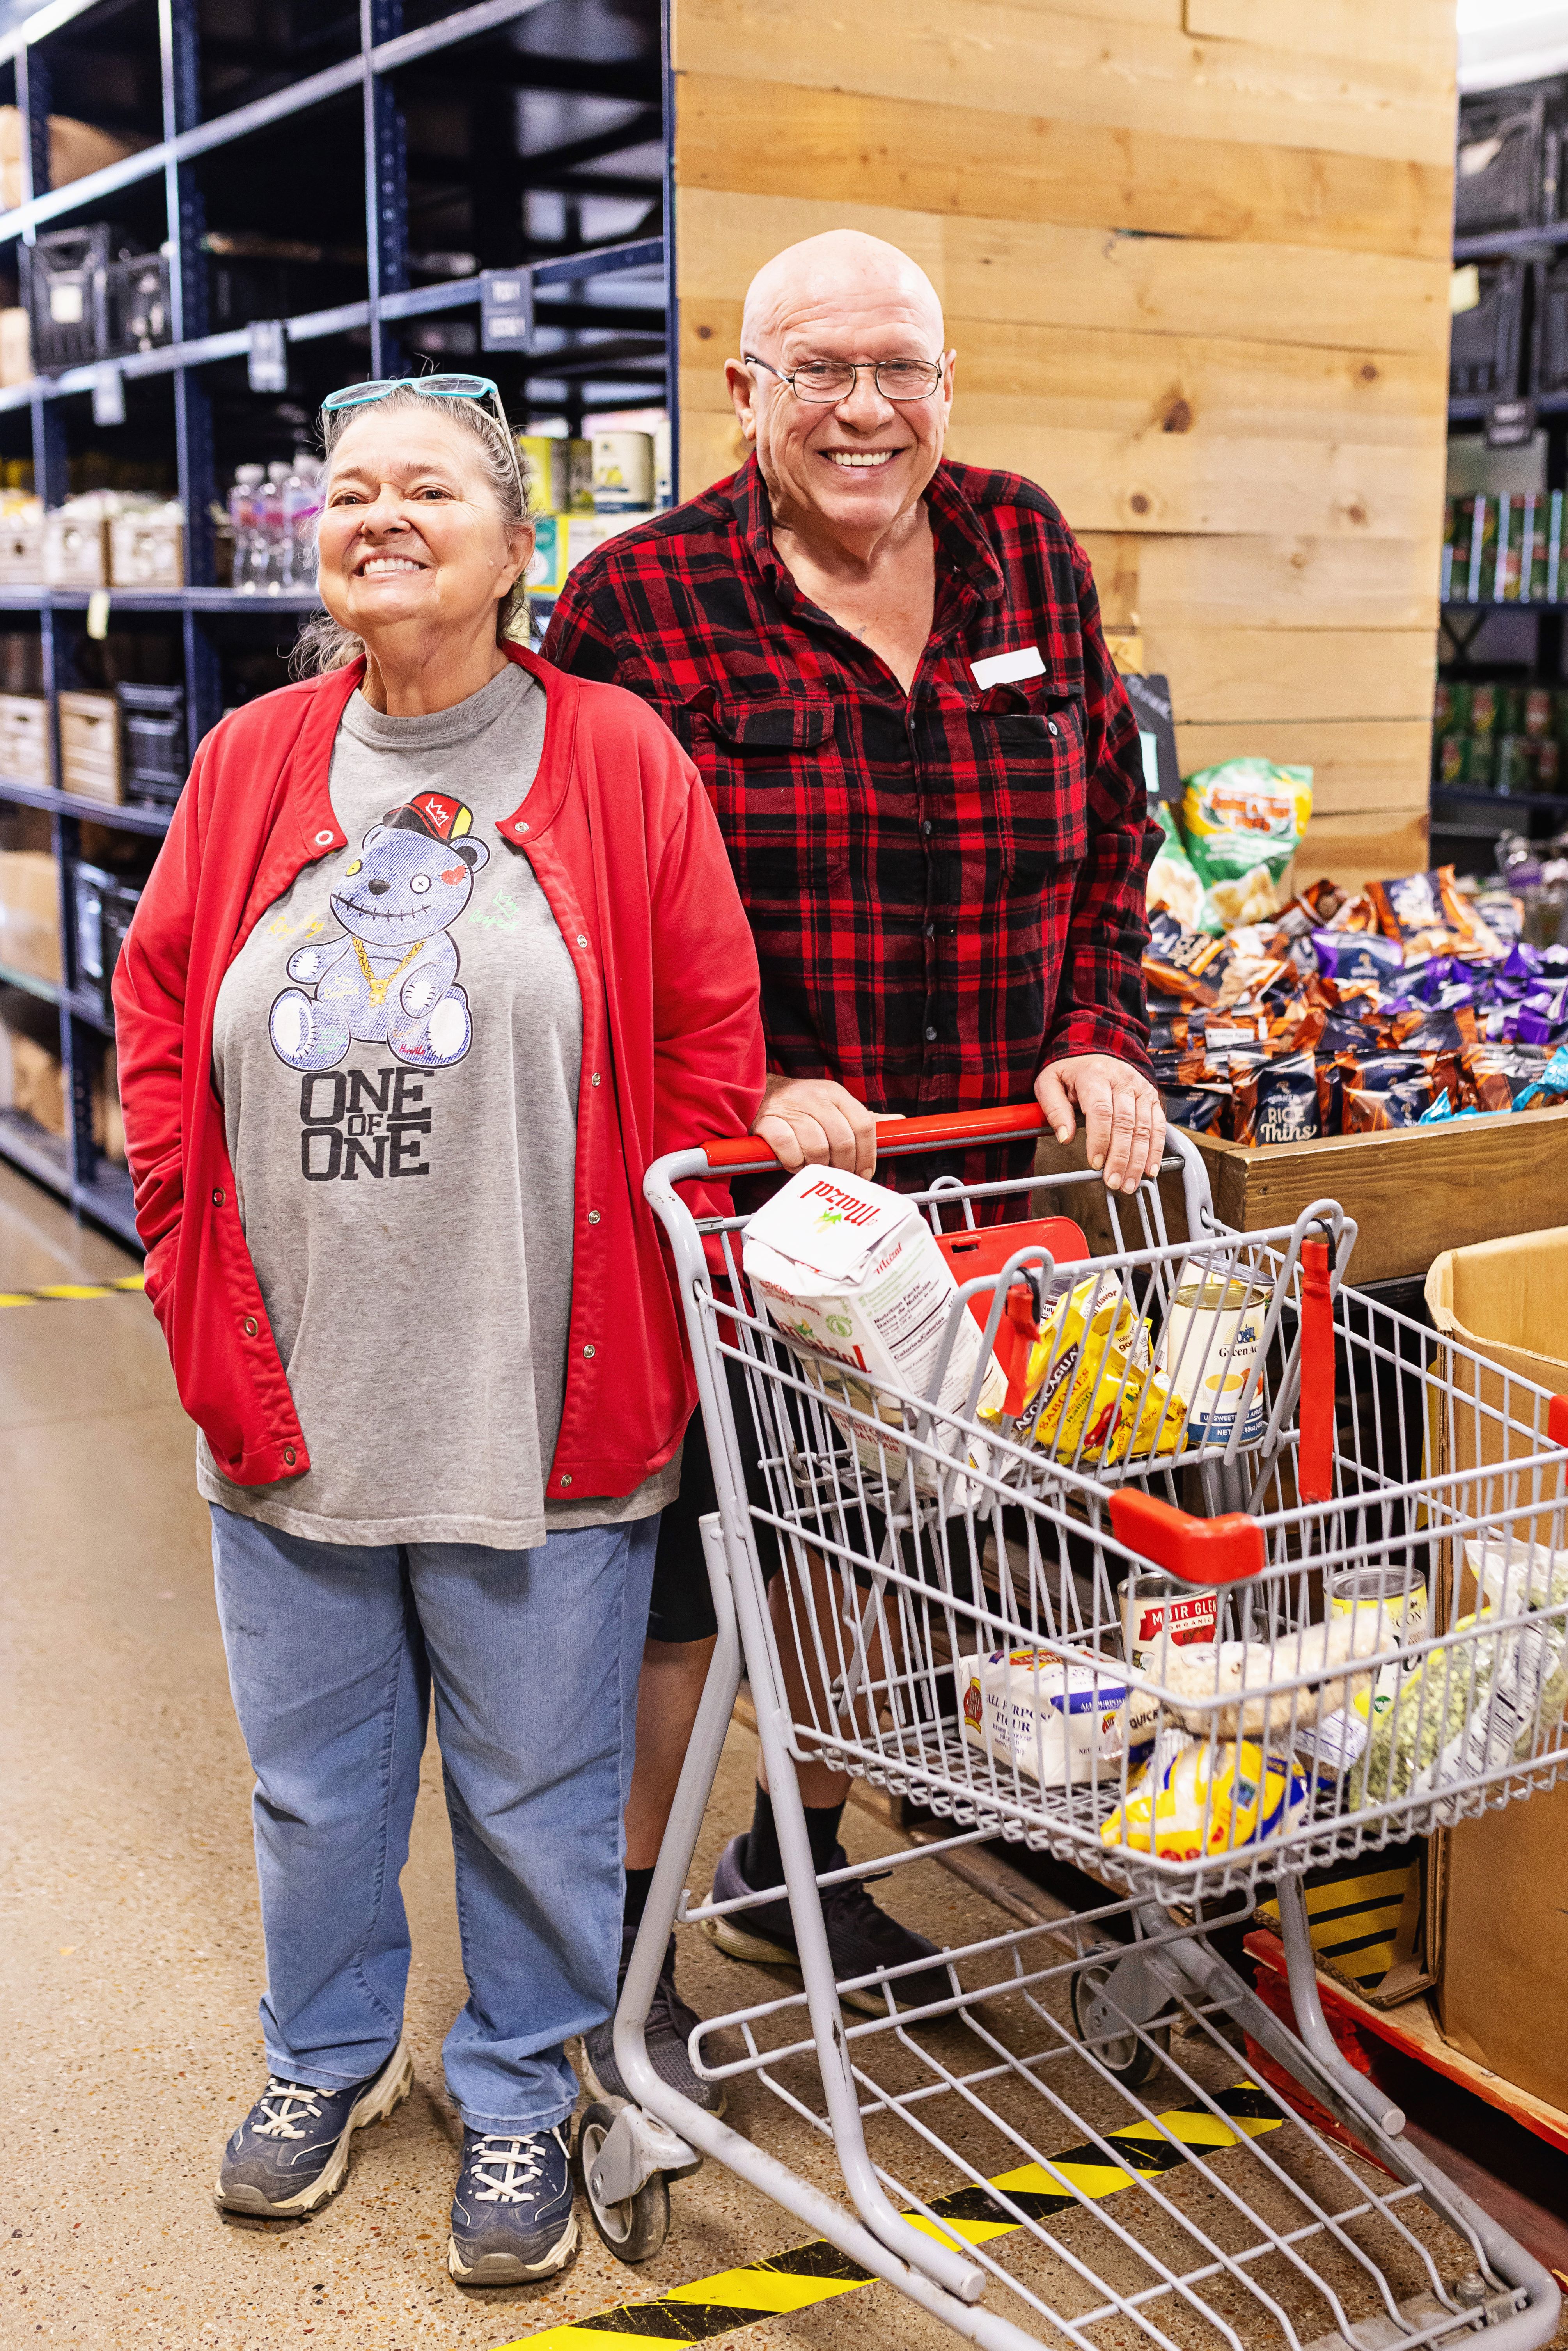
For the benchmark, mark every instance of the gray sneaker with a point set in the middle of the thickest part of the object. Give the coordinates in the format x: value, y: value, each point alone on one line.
x: 291, y: 2152
x: 512, y: 2218
x: 671, y: 2024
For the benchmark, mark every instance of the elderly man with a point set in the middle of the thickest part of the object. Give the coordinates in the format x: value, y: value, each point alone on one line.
x: 890, y: 671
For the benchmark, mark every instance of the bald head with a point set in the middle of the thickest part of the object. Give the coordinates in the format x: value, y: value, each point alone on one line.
x: 843, y: 266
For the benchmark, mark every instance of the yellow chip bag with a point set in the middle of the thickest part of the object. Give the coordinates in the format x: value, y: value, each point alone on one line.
x: 1190, y: 1800
x: 1089, y: 1382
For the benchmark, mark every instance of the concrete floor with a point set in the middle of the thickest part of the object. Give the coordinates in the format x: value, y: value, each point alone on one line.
x: 132, y: 1947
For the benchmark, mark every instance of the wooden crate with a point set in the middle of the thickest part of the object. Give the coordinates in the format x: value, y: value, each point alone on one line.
x: 75, y: 546
x: 1414, y: 1192
x: 90, y: 745
x: 147, y: 550
x: 22, y: 544
x: 24, y: 738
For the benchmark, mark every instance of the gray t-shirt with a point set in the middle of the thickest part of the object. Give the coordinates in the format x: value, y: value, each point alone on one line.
x: 397, y: 1047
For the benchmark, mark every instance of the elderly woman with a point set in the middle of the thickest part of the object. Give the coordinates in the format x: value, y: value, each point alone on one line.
x: 442, y: 951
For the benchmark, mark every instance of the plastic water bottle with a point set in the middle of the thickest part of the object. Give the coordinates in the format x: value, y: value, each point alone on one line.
x: 272, y: 551
x: 301, y: 505
x: 242, y: 520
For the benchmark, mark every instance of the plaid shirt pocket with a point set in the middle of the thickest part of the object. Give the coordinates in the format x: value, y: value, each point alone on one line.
x: 776, y: 775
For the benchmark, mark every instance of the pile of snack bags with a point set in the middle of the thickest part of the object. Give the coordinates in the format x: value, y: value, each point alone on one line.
x: 1334, y: 1013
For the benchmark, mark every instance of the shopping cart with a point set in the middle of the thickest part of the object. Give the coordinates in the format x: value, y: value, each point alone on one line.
x: 989, y: 1611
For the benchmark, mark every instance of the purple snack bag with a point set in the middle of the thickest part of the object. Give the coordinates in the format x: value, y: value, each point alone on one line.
x: 1357, y: 954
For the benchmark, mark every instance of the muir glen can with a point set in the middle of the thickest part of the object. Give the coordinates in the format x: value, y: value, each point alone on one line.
x: 1210, y: 1345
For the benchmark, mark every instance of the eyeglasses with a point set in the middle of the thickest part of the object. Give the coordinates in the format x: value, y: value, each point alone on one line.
x: 483, y: 389
x: 822, y: 383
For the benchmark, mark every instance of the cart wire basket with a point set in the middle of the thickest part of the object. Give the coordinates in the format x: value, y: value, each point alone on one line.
x: 1213, y: 1571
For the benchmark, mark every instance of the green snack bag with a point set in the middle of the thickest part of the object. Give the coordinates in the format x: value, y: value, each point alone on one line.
x: 1244, y: 822
x: 1172, y: 881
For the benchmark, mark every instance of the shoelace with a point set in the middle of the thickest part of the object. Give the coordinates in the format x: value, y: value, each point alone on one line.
x: 280, y: 2101
x: 506, y: 2171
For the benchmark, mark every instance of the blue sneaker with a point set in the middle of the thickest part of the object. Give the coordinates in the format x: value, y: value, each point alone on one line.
x: 511, y: 2216
x: 291, y: 2152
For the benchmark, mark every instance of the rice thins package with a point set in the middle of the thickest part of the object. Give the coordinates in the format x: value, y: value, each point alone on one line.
x: 852, y: 1270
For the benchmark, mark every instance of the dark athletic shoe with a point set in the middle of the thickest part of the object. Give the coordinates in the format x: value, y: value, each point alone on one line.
x: 511, y: 2216
x: 291, y: 2152
x: 860, y: 1937
x: 671, y: 2024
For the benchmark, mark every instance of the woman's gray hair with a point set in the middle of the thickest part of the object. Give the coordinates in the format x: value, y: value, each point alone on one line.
x: 323, y: 643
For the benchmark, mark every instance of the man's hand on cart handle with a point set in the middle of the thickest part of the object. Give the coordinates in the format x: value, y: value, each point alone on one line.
x: 1123, y: 1122
x: 815, y: 1123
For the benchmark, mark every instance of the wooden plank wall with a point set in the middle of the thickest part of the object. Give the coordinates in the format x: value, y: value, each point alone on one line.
x: 1193, y: 256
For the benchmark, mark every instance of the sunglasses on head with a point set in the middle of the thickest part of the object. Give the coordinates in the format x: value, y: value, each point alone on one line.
x: 482, y: 390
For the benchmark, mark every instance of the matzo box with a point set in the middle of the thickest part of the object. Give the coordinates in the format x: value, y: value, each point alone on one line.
x: 853, y: 1270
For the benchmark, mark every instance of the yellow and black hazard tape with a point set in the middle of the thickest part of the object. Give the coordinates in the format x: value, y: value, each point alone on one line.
x: 62, y: 1293
x: 690, y: 2314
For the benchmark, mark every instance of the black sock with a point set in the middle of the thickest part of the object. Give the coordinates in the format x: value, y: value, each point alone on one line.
x: 761, y: 1861
x: 638, y: 1882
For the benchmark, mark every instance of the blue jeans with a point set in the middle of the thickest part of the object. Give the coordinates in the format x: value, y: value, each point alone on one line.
x: 333, y: 1649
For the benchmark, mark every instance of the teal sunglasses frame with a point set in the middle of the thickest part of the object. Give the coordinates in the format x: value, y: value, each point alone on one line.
x: 482, y: 390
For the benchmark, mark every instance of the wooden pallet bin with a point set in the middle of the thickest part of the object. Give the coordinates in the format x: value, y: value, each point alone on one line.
x: 1193, y: 256
x: 1414, y: 1192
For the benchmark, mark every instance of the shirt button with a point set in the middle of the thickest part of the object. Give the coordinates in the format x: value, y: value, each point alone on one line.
x: 926, y: 826
x: 588, y: 1348
x: 931, y: 1036
x: 248, y: 1326
x: 593, y: 1081
x: 522, y: 828
x: 218, y: 1198
x: 1051, y: 727
x: 566, y: 1478
x: 593, y: 1216
x: 289, y: 1455
x: 930, y: 930
x: 582, y: 943
x: 323, y: 841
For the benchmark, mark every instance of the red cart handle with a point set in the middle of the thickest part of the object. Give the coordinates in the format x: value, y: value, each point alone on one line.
x: 1195, y: 1550
x: 747, y: 1155
x: 1314, y: 1462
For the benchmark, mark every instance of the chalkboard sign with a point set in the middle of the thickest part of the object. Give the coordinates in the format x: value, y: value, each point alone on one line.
x: 1151, y: 701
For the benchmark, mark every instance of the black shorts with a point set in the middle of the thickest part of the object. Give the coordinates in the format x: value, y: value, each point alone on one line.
x: 680, y: 1607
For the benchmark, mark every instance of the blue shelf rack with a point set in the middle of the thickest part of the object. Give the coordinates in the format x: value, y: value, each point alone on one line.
x: 568, y: 180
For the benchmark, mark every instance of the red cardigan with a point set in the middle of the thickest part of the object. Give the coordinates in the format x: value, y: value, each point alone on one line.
x: 620, y: 834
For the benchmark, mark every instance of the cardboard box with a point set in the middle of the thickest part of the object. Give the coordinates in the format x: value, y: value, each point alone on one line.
x: 38, y: 1082
x: 1497, y: 1928
x: 30, y: 913
x: 15, y: 346
x: 75, y: 150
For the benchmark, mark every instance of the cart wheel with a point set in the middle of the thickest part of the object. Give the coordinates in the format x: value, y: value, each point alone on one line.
x: 1132, y: 2061
x: 633, y: 2230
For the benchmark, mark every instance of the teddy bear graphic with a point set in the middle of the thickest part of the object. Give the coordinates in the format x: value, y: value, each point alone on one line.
x: 390, y: 978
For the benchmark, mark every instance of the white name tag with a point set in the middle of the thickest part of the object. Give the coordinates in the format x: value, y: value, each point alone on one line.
x: 1005, y: 669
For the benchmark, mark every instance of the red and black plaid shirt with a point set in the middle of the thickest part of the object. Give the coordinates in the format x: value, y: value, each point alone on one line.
x: 946, y: 888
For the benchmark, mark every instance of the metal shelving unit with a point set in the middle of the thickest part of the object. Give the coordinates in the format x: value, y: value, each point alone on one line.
x: 525, y: 137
